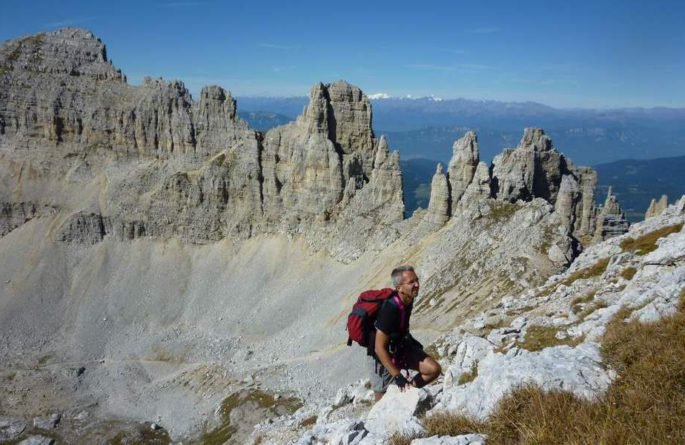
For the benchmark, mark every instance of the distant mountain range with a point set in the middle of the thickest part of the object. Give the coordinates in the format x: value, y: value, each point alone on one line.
x: 426, y: 127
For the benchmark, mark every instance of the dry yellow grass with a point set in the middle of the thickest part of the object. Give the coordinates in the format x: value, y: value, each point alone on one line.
x: 644, y: 405
x: 595, y: 270
x: 469, y: 376
x: 647, y: 242
x: 628, y: 273
x: 541, y: 337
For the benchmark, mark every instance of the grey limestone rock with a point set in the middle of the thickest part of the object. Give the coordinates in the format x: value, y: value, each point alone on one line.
x: 439, y: 204
x: 172, y: 167
x: 656, y: 208
x: 535, y: 169
x: 568, y: 195
x: 479, y: 188
x: 37, y: 440
x: 84, y: 228
x: 396, y: 412
x: 14, y: 214
x: 462, y: 166
x: 47, y: 422
x: 11, y: 428
x: 462, y: 439
x: 611, y: 220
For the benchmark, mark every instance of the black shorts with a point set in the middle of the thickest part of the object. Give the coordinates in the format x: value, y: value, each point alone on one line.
x: 408, y: 357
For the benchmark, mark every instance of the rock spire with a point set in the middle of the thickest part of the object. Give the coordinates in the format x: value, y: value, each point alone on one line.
x: 611, y: 221
x: 657, y: 207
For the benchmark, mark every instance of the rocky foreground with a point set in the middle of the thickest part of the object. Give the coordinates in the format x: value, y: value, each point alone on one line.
x: 164, y: 263
x: 548, y: 336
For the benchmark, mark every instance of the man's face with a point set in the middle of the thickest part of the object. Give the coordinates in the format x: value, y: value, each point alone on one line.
x: 409, y: 287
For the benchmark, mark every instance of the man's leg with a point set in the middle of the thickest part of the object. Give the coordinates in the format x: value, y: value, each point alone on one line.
x: 428, y: 368
x: 379, y: 376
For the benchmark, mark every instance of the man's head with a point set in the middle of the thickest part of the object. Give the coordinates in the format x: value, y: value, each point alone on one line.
x: 406, y: 282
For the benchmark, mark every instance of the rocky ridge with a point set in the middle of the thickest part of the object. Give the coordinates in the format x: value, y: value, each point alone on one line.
x: 197, y: 172
x: 535, y: 169
x: 496, y: 359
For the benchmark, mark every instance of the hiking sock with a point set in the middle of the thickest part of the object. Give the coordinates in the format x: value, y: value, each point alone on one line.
x: 418, y: 381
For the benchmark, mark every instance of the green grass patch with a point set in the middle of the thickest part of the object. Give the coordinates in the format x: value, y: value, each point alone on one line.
x: 647, y: 242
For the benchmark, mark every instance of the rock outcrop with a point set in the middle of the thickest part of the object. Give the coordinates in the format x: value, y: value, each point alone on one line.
x: 439, y: 204
x: 611, y: 221
x: 462, y: 166
x: 656, y: 207
x: 484, y: 363
x: 536, y: 170
x: 14, y: 214
x: 533, y: 170
x: 197, y: 171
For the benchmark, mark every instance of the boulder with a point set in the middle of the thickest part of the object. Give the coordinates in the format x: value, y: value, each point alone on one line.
x: 396, y: 412
x: 37, y: 440
x: 578, y: 370
x: 47, y: 422
x: 11, y: 428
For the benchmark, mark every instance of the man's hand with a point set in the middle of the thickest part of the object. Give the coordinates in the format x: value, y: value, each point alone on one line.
x: 400, y: 381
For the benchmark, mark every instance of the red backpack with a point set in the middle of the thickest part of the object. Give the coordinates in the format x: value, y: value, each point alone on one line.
x: 361, y: 319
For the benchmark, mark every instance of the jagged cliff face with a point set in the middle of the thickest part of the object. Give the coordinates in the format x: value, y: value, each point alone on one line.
x: 533, y: 170
x: 194, y: 170
x: 159, y: 222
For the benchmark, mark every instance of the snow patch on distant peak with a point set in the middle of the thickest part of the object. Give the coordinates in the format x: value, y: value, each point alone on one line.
x: 379, y: 96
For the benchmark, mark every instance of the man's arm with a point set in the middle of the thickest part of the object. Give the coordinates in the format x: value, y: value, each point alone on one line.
x: 381, y: 349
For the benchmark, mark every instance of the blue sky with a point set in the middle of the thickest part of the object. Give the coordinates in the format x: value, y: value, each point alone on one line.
x: 562, y: 53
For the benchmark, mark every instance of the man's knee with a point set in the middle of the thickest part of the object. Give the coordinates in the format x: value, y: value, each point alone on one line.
x: 431, y: 368
x: 434, y: 368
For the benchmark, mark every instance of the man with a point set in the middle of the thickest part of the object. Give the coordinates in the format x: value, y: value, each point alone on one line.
x: 395, y: 349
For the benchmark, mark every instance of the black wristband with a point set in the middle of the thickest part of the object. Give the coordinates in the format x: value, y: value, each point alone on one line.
x: 400, y: 381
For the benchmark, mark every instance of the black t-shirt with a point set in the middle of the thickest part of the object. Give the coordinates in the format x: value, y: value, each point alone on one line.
x: 388, y: 319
